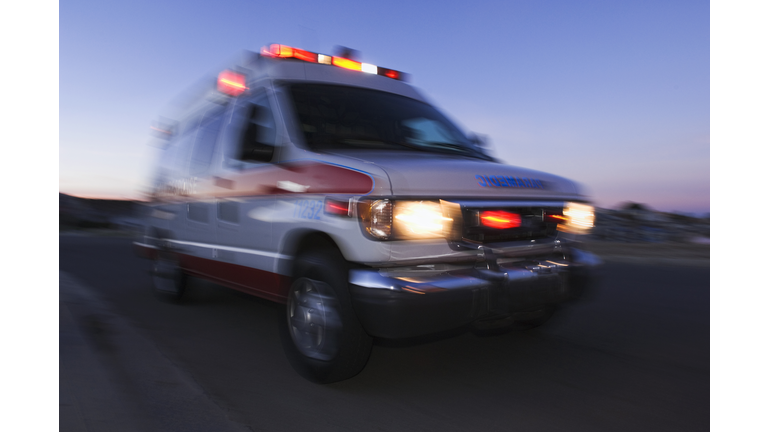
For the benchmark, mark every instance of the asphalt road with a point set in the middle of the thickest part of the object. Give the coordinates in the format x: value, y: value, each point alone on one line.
x: 635, y: 357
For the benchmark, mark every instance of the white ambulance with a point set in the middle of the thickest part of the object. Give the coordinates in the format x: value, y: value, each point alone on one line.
x: 333, y: 187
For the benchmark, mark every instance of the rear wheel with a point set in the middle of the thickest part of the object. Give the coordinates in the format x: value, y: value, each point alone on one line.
x: 321, y: 334
x: 168, y: 279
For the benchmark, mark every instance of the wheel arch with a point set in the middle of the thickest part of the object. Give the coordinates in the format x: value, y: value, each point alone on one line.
x: 300, y: 240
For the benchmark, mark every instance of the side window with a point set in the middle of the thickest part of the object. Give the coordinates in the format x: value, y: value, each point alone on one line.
x: 197, y: 211
x: 228, y: 211
x: 205, y: 142
x: 424, y: 132
x: 258, y: 131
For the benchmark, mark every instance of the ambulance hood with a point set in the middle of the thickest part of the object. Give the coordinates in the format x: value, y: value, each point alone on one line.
x: 431, y: 174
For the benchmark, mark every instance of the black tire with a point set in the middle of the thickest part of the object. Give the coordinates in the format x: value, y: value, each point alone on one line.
x: 533, y: 319
x: 320, y: 333
x: 515, y: 322
x: 169, y: 282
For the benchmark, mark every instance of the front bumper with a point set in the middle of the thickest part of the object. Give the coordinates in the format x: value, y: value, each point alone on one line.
x: 411, y: 302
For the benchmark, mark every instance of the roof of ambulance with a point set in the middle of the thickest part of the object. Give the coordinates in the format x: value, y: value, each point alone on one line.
x: 200, y: 96
x: 300, y: 71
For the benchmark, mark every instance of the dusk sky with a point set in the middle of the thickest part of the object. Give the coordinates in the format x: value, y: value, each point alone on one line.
x: 613, y: 95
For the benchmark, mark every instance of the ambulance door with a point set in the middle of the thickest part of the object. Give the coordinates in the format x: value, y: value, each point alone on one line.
x: 243, y: 205
x: 199, y: 211
x: 172, y: 182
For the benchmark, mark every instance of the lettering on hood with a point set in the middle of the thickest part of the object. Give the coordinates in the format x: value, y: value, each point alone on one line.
x: 509, y: 181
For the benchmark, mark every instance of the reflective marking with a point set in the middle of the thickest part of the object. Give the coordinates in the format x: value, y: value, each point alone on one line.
x: 145, y: 245
x: 292, y: 187
x: 233, y: 249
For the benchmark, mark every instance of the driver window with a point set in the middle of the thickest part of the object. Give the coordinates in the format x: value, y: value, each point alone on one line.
x: 257, y: 134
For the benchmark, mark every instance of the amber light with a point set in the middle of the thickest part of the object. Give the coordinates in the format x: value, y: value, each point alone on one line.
x: 500, y: 219
x: 347, y: 63
x: 231, y: 83
x: 285, y: 51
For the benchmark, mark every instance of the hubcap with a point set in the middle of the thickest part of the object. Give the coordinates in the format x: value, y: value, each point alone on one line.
x: 313, y: 319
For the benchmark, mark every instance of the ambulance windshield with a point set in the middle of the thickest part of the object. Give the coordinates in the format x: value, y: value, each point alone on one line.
x: 340, y: 117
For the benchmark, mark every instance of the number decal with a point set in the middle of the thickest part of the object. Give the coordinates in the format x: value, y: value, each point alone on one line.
x: 308, y: 209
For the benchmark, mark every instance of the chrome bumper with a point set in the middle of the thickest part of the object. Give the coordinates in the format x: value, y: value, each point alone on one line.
x: 415, y: 301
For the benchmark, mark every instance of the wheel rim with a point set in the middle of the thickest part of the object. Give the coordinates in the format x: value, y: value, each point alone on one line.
x: 313, y: 319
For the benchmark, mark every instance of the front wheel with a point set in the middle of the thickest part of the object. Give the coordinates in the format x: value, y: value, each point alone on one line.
x: 320, y: 332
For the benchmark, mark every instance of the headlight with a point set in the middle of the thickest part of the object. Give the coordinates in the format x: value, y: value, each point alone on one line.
x: 407, y: 220
x: 579, y: 218
x: 376, y: 217
x: 419, y: 220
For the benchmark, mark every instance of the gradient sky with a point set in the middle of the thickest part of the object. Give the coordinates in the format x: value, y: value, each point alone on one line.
x: 613, y: 95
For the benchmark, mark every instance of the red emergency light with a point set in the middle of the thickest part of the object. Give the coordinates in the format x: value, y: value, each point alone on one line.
x: 500, y: 219
x: 284, y: 51
x: 231, y: 83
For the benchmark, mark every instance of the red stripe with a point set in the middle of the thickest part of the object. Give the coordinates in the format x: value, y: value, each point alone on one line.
x: 260, y: 283
x: 317, y: 177
x: 308, y: 177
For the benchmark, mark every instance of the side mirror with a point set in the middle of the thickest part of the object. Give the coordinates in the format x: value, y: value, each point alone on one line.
x: 480, y: 141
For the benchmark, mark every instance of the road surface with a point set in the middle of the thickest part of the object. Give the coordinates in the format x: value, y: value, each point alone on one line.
x: 633, y: 358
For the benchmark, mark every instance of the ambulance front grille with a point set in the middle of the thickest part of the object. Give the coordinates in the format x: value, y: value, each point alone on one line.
x: 533, y: 225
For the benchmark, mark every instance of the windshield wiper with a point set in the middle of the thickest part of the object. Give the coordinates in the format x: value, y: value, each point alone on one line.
x: 458, y: 147
x: 360, y: 141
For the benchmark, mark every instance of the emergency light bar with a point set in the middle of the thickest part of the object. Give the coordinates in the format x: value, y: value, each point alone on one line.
x: 283, y: 51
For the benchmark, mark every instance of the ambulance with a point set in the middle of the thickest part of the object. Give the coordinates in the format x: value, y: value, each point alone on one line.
x: 333, y: 187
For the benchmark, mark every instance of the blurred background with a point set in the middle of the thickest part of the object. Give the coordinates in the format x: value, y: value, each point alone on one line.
x: 612, y: 95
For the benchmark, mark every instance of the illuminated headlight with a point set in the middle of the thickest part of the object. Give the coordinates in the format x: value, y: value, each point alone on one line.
x: 420, y: 220
x: 580, y: 218
x: 406, y: 220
